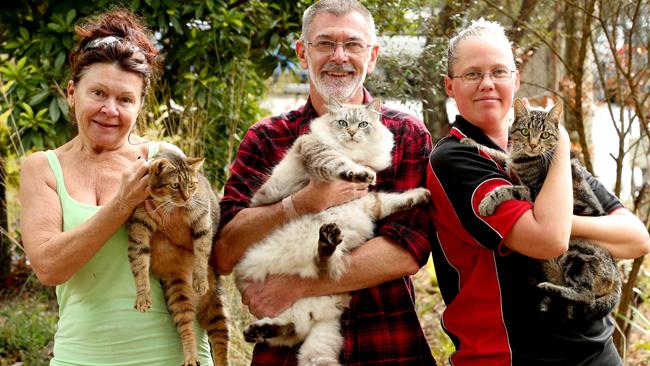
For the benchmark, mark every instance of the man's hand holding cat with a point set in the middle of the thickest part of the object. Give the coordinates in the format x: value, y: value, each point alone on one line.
x: 320, y: 195
x: 272, y: 296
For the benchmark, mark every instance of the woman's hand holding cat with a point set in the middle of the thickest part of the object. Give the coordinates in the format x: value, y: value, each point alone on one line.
x: 272, y: 296
x: 320, y: 195
x: 134, y: 187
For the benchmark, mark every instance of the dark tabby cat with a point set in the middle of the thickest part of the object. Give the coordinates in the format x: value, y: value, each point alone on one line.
x: 190, y: 285
x: 583, y: 283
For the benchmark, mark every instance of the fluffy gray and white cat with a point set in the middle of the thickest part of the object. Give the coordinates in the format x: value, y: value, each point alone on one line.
x: 583, y: 283
x: 348, y: 143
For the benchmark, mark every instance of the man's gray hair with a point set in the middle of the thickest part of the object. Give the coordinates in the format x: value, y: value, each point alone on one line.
x: 338, y: 8
x: 480, y: 27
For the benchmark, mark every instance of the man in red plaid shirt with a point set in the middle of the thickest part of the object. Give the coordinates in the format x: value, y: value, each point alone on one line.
x: 338, y: 47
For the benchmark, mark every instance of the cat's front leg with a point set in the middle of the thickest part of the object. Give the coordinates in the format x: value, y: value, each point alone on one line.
x: 325, y: 163
x: 202, y: 234
x: 492, y: 200
x: 140, y: 228
x: 358, y: 174
x: 202, y: 247
x: 499, y: 156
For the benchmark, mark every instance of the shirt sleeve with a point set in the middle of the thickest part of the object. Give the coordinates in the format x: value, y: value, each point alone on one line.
x: 247, y: 172
x: 606, y: 198
x: 412, y: 228
x: 459, y: 179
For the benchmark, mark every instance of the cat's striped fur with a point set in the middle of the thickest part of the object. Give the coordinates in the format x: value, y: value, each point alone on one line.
x: 348, y: 143
x: 192, y: 289
x: 583, y: 283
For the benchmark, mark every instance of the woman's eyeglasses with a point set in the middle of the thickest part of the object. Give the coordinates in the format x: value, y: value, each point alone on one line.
x: 475, y: 77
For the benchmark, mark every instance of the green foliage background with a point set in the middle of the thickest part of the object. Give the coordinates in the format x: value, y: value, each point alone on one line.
x: 217, y: 56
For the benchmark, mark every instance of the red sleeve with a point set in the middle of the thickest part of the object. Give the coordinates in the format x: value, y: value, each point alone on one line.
x: 411, y: 229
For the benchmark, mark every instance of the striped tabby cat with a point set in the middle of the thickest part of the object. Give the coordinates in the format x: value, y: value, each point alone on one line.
x: 348, y: 143
x: 583, y: 283
x: 191, y: 287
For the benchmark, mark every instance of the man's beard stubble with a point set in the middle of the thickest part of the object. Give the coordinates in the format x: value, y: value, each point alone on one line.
x: 341, y: 90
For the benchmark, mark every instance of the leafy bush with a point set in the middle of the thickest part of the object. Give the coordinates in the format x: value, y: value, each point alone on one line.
x: 27, y: 329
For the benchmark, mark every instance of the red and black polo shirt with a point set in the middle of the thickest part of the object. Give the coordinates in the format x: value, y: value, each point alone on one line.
x: 492, y: 312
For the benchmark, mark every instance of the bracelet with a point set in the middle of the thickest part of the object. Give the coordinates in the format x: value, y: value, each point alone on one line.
x: 289, y: 208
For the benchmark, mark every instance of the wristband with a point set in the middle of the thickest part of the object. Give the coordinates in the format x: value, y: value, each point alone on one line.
x: 288, y: 207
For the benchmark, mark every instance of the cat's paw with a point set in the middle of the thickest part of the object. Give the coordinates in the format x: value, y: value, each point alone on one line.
x: 364, y: 175
x: 486, y: 207
x: 550, y: 288
x: 200, y: 284
x: 420, y: 196
x: 260, y: 332
x: 142, y: 302
x: 329, y: 237
x: 467, y: 141
x: 191, y: 361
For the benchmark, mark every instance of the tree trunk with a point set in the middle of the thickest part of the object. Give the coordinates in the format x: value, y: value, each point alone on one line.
x: 432, y: 92
x: 577, y: 28
x: 5, y: 253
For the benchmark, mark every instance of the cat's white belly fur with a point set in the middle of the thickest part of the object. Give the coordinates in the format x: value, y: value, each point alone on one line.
x: 278, y: 254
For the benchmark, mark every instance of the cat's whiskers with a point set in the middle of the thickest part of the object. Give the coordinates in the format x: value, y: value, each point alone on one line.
x: 547, y: 157
x: 197, y: 204
x: 165, y: 208
x: 162, y: 204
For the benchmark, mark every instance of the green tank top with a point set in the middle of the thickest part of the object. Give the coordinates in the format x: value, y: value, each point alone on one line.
x: 97, y: 322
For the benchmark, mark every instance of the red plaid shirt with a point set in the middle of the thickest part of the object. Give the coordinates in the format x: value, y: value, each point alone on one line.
x: 381, y: 326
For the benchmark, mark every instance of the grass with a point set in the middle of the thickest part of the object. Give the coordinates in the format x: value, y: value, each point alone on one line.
x: 27, y: 327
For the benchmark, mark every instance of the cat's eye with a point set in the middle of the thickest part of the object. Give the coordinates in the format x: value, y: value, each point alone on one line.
x: 545, y: 134
x: 363, y: 124
x: 191, y: 185
x: 175, y: 185
x: 343, y: 123
x: 525, y: 132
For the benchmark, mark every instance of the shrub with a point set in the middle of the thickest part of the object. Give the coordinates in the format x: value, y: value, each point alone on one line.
x: 27, y: 328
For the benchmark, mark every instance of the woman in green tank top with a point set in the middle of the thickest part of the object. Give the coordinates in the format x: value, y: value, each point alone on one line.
x: 76, y: 199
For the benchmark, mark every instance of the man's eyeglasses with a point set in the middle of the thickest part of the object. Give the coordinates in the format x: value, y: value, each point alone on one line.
x: 328, y: 47
x: 475, y: 77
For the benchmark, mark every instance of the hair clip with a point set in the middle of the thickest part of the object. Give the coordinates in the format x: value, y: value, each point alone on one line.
x: 97, y: 42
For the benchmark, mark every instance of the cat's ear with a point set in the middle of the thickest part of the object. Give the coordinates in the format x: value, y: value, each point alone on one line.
x: 195, y: 163
x: 375, y: 106
x: 160, y: 166
x: 334, y: 104
x: 555, y: 113
x: 520, y: 109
